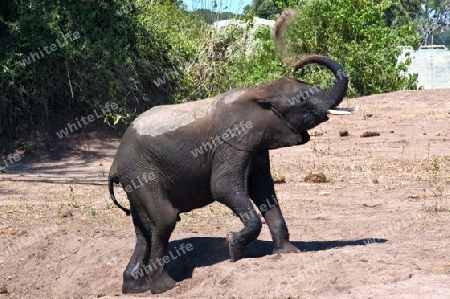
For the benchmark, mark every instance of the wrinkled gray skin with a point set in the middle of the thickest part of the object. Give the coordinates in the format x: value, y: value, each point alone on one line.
x: 157, y: 149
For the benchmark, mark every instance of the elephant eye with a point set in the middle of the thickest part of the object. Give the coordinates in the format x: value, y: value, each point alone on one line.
x: 304, y: 116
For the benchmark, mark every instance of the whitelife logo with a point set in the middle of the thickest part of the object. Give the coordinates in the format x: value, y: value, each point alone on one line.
x: 11, y: 157
x: 86, y: 120
x: 165, y: 260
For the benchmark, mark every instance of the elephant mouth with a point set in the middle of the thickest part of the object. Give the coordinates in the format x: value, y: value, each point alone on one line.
x: 313, y: 118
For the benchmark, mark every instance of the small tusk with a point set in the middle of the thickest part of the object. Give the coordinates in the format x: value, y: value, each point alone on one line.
x: 338, y: 112
x: 346, y: 109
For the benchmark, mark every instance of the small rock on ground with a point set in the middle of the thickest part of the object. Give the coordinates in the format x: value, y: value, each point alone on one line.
x: 370, y: 134
x: 3, y: 289
x: 65, y: 212
x: 343, y: 133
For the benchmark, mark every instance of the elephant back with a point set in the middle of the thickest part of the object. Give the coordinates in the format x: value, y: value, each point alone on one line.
x: 167, y: 118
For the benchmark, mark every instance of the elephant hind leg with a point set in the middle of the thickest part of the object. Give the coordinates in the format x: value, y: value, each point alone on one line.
x: 160, y: 280
x: 154, y: 219
x: 135, y: 277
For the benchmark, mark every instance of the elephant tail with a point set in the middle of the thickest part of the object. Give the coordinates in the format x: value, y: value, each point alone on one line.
x: 111, y: 181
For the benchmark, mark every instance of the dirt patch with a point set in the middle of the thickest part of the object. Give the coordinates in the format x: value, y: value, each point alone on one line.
x: 379, y: 228
x: 316, y: 178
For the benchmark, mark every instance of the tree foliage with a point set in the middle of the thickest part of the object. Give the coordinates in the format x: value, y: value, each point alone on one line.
x: 123, y: 47
x: 402, y: 12
x: 356, y: 34
x: 229, y: 58
x: 266, y: 9
x: 432, y: 18
x: 434, y: 22
x: 144, y: 53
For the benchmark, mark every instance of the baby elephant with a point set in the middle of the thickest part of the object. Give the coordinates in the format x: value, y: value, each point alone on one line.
x: 176, y: 158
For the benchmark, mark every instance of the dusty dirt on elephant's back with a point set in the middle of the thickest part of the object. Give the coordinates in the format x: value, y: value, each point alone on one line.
x: 378, y: 228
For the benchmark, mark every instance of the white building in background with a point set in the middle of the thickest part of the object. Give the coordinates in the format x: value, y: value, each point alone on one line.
x: 248, y: 43
x: 431, y: 63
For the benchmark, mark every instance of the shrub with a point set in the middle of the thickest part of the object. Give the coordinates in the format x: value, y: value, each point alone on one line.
x: 355, y: 33
x: 123, y: 47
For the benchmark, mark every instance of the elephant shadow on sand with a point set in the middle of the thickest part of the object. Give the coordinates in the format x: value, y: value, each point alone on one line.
x: 207, y: 251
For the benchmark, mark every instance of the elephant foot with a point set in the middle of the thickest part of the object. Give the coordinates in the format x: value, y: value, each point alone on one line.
x: 132, y: 285
x: 162, y: 283
x: 235, y: 254
x: 286, y: 247
x: 156, y: 284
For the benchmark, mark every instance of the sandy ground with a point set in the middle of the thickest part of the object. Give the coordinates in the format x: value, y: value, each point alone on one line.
x: 378, y: 228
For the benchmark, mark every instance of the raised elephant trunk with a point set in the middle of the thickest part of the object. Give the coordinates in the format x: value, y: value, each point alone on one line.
x: 336, y: 94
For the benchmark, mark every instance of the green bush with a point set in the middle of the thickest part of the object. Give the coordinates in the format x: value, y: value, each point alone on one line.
x: 355, y: 33
x: 229, y: 58
x: 123, y: 48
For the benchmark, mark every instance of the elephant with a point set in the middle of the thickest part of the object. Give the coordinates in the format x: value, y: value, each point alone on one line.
x: 176, y: 158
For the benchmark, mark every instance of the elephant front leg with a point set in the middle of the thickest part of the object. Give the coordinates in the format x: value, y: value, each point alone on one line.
x: 278, y: 229
x: 229, y: 186
x: 262, y: 193
x: 242, y: 207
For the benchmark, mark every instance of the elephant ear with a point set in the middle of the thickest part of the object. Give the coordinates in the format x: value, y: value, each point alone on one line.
x: 250, y: 124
